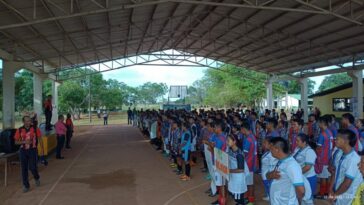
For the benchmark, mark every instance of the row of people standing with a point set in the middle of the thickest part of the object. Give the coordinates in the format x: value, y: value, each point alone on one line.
x: 253, y: 137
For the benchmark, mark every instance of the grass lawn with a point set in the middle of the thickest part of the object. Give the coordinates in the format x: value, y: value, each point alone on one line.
x: 114, y: 118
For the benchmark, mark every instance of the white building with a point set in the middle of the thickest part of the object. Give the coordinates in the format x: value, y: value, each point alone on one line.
x: 288, y: 102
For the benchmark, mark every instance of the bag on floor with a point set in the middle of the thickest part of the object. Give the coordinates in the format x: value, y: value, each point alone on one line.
x: 7, y: 141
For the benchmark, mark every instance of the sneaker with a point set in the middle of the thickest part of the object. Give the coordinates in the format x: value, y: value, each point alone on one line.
x: 25, y: 189
x: 212, y: 195
x: 182, y: 176
x: 215, y: 202
x: 186, y: 178
x: 37, y: 183
x: 320, y: 197
x: 266, y: 198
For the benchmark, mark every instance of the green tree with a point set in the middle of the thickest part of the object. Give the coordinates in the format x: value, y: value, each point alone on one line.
x: 72, y: 97
x: 233, y: 86
x: 294, y: 87
x: 111, y: 96
x: 23, y: 90
x: 151, y: 93
x: 334, y: 80
x: 196, y: 93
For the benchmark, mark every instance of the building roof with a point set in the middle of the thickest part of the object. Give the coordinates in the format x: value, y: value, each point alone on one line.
x: 333, y: 90
x: 274, y: 37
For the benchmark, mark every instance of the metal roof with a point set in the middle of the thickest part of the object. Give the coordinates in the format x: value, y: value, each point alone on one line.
x: 271, y: 36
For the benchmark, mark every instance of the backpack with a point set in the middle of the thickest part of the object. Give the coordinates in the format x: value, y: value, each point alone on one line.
x: 7, y: 141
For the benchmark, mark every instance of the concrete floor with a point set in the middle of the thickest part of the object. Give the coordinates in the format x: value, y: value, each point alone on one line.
x: 111, y: 165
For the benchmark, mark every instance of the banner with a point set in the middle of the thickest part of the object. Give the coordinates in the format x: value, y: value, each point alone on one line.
x: 222, y: 162
x: 153, y: 130
x: 210, y: 167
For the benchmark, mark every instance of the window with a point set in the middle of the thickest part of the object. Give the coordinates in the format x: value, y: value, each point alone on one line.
x: 342, y: 104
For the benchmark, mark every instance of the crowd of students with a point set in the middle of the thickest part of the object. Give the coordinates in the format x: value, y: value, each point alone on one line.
x: 297, y: 161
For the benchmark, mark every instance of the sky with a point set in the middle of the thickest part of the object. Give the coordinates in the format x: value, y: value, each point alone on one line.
x: 171, y: 75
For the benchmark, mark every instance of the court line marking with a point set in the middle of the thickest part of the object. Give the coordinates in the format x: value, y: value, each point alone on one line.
x: 65, y: 172
x: 184, y: 192
x: 179, y: 184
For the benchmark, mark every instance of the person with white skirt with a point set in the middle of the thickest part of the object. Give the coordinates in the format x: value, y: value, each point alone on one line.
x: 238, y: 169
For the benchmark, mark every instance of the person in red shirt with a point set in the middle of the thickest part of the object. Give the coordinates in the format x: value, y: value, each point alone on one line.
x: 48, y: 109
x: 26, y: 136
x: 61, y: 130
x: 69, y: 134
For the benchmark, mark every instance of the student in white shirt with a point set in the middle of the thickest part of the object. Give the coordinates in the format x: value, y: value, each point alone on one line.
x: 347, y: 175
x: 306, y: 158
x: 287, y: 185
x: 268, y: 163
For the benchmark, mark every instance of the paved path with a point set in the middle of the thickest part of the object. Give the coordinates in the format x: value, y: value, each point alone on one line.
x: 112, y: 165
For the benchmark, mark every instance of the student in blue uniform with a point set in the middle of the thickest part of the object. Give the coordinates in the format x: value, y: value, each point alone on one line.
x: 219, y: 142
x: 324, y: 150
x: 175, y: 142
x: 185, y: 151
x: 347, y: 175
x: 203, y: 136
x: 193, y: 130
x: 359, y: 125
x: 272, y: 128
x: 347, y: 122
x: 250, y: 152
x: 237, y: 165
x: 306, y: 158
x: 287, y: 185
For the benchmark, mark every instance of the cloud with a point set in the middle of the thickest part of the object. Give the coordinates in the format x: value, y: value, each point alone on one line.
x: 171, y: 75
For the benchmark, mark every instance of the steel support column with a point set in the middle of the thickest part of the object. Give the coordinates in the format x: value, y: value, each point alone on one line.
x: 9, y: 70
x: 269, y: 85
x: 304, y: 97
x: 38, y: 95
x: 55, y: 86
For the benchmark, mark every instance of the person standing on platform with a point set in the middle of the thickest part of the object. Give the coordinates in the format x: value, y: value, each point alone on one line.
x: 61, y: 130
x: 26, y: 136
x: 48, y: 109
x: 69, y: 134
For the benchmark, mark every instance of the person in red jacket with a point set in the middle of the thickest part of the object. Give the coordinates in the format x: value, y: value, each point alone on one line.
x: 69, y: 133
x: 26, y: 136
x: 48, y: 109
